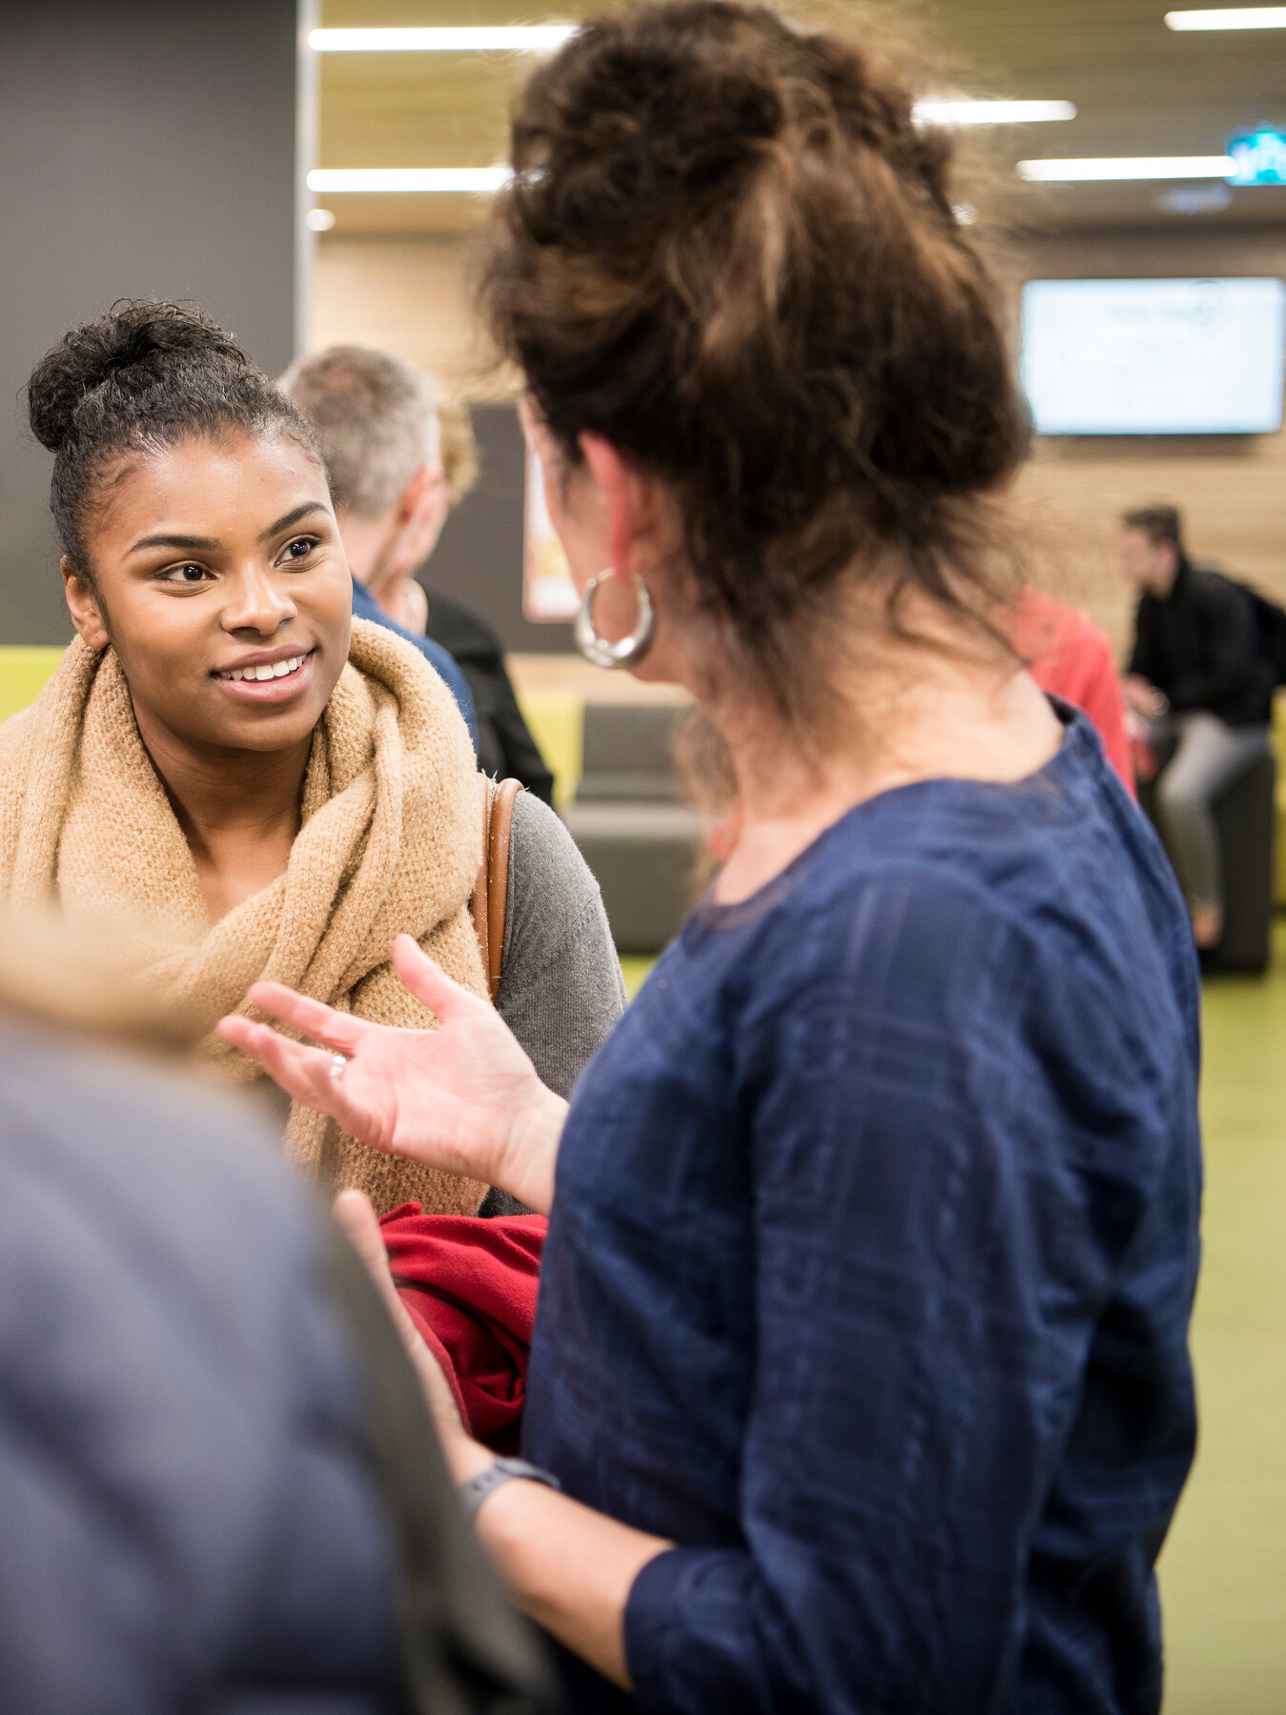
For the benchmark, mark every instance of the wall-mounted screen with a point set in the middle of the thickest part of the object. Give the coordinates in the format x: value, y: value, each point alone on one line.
x: 1154, y: 357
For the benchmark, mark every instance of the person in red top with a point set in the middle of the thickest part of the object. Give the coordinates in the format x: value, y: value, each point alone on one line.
x: 1070, y: 657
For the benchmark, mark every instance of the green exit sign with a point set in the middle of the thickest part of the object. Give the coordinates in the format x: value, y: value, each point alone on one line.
x: 1259, y: 157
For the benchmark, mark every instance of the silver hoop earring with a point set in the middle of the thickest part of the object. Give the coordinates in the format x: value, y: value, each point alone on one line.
x: 630, y: 650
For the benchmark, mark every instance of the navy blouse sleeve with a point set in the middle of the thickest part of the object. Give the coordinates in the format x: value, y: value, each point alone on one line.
x: 942, y: 1187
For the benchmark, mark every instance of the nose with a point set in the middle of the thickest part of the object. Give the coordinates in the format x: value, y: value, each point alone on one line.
x: 256, y: 602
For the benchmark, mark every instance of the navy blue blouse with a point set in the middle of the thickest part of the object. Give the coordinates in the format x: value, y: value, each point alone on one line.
x: 870, y: 1272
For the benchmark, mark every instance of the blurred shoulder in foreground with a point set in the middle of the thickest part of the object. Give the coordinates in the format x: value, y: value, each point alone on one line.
x: 195, y: 1461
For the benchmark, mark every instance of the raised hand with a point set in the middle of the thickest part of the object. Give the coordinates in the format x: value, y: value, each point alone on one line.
x: 464, y: 1097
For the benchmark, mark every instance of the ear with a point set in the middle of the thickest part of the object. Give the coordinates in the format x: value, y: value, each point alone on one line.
x: 630, y: 503
x: 84, y: 606
x: 534, y: 432
x: 421, y: 513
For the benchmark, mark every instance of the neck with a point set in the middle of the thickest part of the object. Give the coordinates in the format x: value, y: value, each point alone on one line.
x: 222, y: 797
x: 1164, y: 582
x: 365, y: 544
x: 949, y: 709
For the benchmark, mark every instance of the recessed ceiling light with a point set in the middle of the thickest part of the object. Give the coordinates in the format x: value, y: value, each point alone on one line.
x: 502, y: 38
x: 417, y: 180
x: 320, y: 219
x: 1231, y: 18
x: 934, y: 112
x: 1128, y: 167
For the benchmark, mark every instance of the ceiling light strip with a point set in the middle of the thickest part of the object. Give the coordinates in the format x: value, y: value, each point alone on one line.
x: 484, y: 181
x: 1128, y: 167
x: 1230, y: 18
x: 501, y: 38
x: 935, y: 112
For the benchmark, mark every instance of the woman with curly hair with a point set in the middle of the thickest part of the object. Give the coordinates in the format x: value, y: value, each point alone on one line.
x: 861, y: 1358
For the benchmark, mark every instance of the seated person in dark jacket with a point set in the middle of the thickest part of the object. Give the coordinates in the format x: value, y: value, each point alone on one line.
x: 1197, y: 674
x: 377, y: 419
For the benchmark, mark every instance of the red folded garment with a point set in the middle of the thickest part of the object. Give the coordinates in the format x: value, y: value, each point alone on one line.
x: 470, y: 1288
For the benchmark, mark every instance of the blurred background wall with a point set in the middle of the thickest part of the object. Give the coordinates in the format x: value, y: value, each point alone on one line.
x: 416, y: 295
x: 159, y: 149
x: 150, y: 150
x: 1232, y: 487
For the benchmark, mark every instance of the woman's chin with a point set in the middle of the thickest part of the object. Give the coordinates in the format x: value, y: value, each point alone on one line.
x: 267, y: 729
x: 270, y: 715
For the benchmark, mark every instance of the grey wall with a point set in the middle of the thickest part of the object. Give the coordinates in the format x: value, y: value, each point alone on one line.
x: 146, y: 150
x: 479, y: 559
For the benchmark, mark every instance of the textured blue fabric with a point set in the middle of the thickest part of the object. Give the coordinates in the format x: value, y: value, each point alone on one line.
x: 871, y: 1267
x: 366, y: 607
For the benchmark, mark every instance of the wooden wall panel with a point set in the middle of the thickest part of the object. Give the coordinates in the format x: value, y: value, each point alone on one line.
x: 414, y: 296
x: 417, y: 297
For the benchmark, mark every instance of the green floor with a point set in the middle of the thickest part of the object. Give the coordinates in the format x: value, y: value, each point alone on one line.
x: 1223, y: 1574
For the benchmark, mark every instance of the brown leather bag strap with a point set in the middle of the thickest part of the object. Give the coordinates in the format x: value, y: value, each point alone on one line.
x: 490, y: 902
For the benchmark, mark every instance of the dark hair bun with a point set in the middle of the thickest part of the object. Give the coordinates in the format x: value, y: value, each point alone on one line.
x: 135, y: 345
x: 730, y: 248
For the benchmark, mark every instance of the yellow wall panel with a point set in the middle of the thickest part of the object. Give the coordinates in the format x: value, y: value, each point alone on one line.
x: 23, y: 671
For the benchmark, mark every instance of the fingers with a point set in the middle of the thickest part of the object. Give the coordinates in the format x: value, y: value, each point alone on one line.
x: 428, y: 982
x: 337, y: 1030
x: 360, y: 1225
x: 304, y: 1073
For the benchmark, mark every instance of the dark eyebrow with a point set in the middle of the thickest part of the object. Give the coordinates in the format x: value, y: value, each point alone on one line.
x: 210, y: 543
x: 291, y: 518
x: 206, y: 542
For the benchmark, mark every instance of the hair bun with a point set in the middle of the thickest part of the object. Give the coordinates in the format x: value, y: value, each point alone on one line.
x: 133, y: 345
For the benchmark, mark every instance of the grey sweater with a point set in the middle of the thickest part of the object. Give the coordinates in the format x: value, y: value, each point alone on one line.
x: 561, y: 992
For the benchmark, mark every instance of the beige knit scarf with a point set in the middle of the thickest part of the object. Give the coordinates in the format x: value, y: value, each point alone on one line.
x: 390, y: 841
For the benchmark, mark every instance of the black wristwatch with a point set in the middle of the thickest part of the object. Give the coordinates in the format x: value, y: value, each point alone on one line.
x: 473, y: 1492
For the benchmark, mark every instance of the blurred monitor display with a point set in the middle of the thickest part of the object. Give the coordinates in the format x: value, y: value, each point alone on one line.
x: 1154, y: 357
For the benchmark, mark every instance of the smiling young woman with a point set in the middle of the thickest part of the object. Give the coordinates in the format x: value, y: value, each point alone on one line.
x: 276, y: 788
x: 200, y: 619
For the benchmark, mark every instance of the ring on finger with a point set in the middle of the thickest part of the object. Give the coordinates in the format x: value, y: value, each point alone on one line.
x: 338, y: 1063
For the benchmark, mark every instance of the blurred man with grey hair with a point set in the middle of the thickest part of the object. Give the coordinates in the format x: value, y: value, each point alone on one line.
x: 372, y: 541
x: 377, y: 420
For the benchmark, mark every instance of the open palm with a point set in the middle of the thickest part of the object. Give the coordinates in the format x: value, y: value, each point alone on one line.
x: 463, y: 1098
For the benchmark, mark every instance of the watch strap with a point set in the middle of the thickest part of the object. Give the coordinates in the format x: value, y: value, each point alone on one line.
x: 475, y: 1490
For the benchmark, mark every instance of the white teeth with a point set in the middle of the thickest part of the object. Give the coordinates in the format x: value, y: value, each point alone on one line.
x: 269, y: 670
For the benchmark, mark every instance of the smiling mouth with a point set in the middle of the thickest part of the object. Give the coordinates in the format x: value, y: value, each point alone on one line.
x: 267, y: 671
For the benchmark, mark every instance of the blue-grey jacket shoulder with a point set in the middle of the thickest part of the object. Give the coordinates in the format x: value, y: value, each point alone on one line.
x: 189, y: 1512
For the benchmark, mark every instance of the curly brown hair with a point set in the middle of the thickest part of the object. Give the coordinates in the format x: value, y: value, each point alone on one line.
x: 730, y: 249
